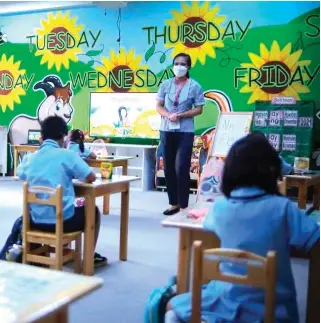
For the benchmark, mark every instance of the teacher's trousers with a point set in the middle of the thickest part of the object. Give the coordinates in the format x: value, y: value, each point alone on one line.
x: 177, y: 152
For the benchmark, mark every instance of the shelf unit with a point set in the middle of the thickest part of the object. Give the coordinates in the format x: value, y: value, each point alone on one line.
x: 142, y: 165
x: 3, y: 150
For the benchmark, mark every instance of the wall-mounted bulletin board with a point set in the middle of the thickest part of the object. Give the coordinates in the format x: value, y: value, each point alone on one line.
x: 289, y: 127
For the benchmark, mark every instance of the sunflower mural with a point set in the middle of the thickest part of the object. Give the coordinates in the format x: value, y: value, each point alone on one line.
x: 62, y: 46
x: 196, y: 17
x: 10, y: 91
x: 123, y: 66
x: 273, y: 57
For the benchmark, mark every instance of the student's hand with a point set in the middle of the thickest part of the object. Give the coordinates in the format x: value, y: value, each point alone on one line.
x: 91, y: 177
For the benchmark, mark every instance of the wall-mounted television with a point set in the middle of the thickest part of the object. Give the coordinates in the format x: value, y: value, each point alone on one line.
x: 124, y: 115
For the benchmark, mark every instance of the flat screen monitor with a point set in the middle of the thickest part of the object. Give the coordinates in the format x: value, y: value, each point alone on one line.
x: 124, y: 115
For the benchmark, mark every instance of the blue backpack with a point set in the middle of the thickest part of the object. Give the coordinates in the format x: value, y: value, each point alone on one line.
x: 157, y: 301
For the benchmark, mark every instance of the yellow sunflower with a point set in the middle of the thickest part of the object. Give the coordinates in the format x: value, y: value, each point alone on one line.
x: 195, y: 18
x: 276, y: 56
x: 122, y: 72
x: 9, y: 74
x: 57, y: 40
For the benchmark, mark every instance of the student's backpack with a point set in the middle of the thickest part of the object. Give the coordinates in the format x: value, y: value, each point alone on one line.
x: 12, y: 250
x: 157, y: 301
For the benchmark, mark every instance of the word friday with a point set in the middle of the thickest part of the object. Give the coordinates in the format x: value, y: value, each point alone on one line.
x: 275, y: 76
x: 60, y: 40
x: 196, y: 32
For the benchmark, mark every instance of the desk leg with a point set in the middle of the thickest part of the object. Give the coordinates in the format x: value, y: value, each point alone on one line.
x: 60, y: 316
x: 15, y: 161
x: 106, y: 204
x: 89, y: 242
x: 313, y: 299
x: 125, y: 168
x: 316, y: 197
x: 184, y: 257
x: 303, y: 195
x: 124, y: 214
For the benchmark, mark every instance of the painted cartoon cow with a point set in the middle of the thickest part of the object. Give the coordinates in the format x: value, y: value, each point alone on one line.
x: 57, y: 102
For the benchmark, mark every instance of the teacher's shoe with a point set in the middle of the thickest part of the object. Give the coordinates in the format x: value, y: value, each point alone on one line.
x: 99, y: 260
x: 171, y: 211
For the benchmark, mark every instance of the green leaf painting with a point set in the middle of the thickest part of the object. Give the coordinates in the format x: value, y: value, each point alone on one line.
x: 93, y: 53
x: 150, y: 52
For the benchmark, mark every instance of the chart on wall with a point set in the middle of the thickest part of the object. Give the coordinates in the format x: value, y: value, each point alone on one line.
x: 288, y: 127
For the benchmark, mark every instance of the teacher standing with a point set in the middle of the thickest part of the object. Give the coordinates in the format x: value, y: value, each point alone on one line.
x: 179, y: 100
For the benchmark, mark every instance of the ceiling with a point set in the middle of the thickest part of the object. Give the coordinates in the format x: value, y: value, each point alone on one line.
x: 11, y: 7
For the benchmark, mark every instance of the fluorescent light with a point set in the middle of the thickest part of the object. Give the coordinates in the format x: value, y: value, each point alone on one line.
x: 12, y: 7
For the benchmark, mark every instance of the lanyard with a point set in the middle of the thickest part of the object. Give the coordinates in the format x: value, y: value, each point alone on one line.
x: 177, y: 94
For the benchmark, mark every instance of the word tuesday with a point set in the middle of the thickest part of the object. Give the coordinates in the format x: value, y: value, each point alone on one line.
x: 60, y: 40
x: 196, y: 32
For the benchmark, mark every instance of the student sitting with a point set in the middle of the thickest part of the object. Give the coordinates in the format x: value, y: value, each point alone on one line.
x: 76, y: 144
x: 254, y: 217
x: 50, y: 166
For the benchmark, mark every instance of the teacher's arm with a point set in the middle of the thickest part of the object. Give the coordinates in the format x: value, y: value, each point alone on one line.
x: 191, y: 113
x: 160, y: 102
x: 160, y: 108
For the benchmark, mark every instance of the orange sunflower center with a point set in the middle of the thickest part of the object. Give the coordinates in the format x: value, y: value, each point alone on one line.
x: 6, y: 82
x: 273, y: 77
x: 55, y: 41
x: 123, y: 75
x: 193, y: 21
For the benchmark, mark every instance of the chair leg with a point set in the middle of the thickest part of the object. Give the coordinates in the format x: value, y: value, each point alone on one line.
x: 25, y: 251
x: 59, y: 256
x: 77, y: 260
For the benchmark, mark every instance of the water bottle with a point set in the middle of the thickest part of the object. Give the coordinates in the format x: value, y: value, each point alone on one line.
x: 14, y: 253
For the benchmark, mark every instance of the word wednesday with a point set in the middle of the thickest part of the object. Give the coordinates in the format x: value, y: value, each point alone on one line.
x: 197, y: 31
x: 61, y: 40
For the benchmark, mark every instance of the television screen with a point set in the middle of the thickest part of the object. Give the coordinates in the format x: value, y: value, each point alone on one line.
x: 131, y: 115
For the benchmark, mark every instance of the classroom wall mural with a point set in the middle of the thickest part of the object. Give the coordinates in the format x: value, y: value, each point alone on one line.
x: 50, y: 62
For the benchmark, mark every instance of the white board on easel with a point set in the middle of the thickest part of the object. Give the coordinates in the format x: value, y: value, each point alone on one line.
x: 231, y: 126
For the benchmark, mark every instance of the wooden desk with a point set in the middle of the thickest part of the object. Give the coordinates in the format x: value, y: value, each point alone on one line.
x: 34, y: 294
x: 303, y: 182
x: 102, y: 187
x: 117, y: 161
x: 191, y: 230
x: 17, y: 149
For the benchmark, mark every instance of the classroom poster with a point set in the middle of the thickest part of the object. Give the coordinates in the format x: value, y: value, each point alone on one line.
x: 50, y: 62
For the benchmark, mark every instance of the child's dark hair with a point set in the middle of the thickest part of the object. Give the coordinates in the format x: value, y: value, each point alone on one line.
x: 251, y: 162
x: 54, y: 128
x: 187, y: 58
x: 78, y: 136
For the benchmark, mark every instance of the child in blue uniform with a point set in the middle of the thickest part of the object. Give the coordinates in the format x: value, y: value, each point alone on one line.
x: 254, y: 217
x: 76, y: 144
x: 50, y: 166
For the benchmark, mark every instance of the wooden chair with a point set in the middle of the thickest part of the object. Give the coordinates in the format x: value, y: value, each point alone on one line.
x: 206, y: 267
x: 51, y: 242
